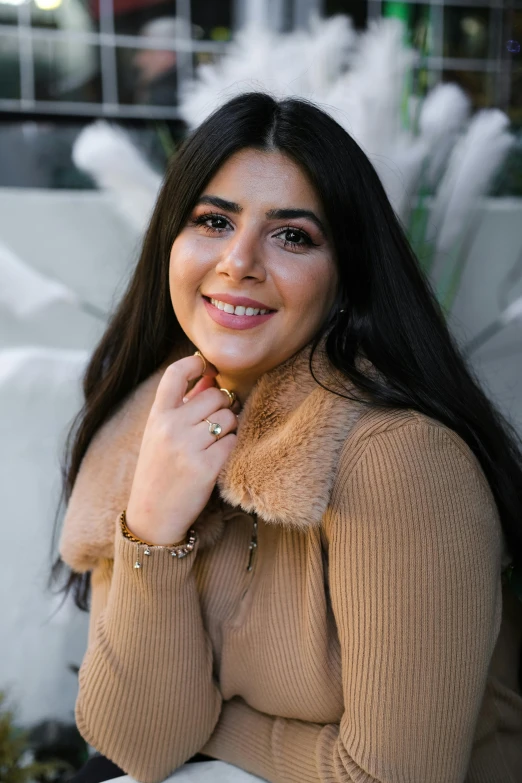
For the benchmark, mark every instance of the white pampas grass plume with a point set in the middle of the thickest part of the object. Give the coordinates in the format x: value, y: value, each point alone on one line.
x: 106, y: 153
x: 366, y: 100
x: 24, y: 291
x: 400, y: 172
x: 300, y: 64
x: 330, y: 48
x: 444, y: 113
x: 236, y: 73
x: 472, y: 164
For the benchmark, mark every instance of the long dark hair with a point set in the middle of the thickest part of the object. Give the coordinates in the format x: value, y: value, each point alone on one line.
x: 390, y: 312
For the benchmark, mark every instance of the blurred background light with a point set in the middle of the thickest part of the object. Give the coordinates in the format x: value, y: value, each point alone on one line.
x: 48, y: 5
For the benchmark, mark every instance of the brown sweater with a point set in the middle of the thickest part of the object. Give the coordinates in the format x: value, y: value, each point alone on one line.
x: 370, y: 641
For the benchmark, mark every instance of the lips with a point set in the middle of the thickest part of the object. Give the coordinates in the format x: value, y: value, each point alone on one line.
x: 231, y: 321
x: 238, y: 301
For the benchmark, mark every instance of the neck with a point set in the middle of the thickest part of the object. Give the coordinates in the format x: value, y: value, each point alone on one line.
x: 242, y: 387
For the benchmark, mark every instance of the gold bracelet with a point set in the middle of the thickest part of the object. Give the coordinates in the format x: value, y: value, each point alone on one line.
x: 180, y: 549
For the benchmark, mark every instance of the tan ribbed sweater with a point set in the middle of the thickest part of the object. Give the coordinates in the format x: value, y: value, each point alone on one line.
x: 370, y: 641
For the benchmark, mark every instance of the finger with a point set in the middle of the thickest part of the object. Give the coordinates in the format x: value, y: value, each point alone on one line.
x: 173, y: 384
x: 206, y: 403
x: 226, y: 420
x: 221, y: 449
x: 205, y: 382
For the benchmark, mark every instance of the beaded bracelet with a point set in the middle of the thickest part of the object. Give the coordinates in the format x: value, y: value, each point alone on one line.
x: 176, y: 550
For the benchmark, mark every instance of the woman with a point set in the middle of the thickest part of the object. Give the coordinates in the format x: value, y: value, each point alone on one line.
x: 341, y: 495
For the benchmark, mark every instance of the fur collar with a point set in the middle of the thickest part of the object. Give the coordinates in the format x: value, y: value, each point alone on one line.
x: 289, y: 438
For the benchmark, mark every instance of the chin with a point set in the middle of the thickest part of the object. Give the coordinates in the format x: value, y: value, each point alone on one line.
x: 237, y: 358
x: 232, y: 369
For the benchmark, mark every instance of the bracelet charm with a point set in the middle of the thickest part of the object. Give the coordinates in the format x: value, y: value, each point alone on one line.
x: 181, y: 549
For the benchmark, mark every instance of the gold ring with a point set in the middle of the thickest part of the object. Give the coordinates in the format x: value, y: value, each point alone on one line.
x: 231, y: 396
x: 214, y: 428
x: 198, y: 353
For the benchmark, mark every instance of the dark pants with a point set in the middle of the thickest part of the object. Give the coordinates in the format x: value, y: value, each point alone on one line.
x: 99, y: 769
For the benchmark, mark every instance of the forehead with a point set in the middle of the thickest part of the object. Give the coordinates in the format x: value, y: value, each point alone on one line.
x: 264, y: 179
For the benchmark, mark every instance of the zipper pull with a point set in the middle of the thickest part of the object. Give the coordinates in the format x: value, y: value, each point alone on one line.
x: 252, y: 546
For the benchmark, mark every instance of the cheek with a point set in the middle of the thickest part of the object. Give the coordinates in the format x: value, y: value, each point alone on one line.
x: 312, y: 290
x: 185, y: 265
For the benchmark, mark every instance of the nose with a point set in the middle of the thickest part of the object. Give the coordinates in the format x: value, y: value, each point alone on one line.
x: 241, y: 256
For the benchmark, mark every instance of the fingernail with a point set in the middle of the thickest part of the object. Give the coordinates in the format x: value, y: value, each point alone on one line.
x: 185, y: 399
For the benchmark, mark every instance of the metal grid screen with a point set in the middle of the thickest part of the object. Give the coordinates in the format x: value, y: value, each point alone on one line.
x: 94, y: 57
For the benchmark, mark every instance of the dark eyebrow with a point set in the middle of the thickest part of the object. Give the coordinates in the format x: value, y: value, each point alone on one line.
x: 220, y: 203
x: 289, y: 214
x: 272, y: 214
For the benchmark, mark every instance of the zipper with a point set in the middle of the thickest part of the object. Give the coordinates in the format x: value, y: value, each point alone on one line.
x: 252, y: 547
x: 242, y: 606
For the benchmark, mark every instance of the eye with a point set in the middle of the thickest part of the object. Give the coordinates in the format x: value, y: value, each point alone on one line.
x: 212, y: 222
x: 294, y: 237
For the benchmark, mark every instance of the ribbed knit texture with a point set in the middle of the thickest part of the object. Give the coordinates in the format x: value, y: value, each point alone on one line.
x: 368, y: 649
x: 149, y: 643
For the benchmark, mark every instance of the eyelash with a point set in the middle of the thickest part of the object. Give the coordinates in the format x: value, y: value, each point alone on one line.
x: 201, y: 219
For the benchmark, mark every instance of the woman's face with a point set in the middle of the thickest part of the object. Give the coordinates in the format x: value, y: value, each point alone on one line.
x: 258, y: 232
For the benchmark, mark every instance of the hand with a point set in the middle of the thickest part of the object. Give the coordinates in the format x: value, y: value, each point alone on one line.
x: 179, y: 459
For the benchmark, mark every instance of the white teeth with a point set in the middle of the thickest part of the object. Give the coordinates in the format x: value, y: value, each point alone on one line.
x: 239, y: 310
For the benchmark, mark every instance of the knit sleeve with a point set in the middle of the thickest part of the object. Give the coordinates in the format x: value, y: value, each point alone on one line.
x: 414, y: 575
x: 147, y: 699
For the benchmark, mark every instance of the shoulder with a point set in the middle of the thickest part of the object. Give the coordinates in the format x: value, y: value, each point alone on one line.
x: 407, y: 434
x: 403, y: 471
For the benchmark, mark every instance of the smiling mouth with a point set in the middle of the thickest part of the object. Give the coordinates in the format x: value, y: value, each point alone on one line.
x: 254, y: 311
x: 235, y: 321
